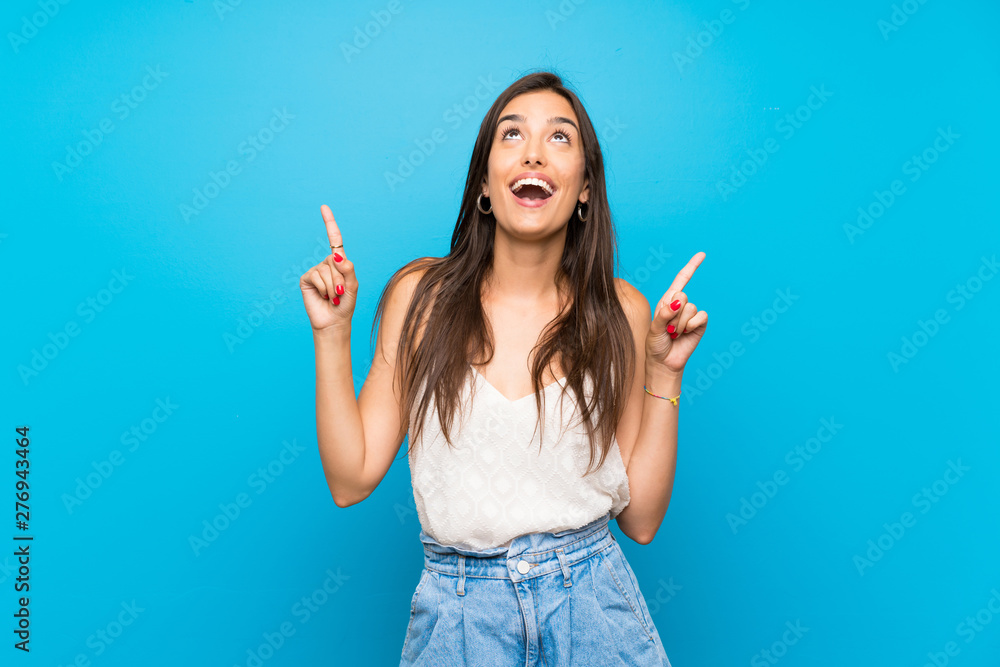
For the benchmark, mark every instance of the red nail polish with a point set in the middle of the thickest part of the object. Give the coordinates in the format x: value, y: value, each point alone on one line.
x: 326, y: 297
x: 336, y: 300
x: 675, y: 305
x: 670, y: 328
x: 685, y: 331
x: 673, y: 335
x: 340, y: 289
x: 337, y: 257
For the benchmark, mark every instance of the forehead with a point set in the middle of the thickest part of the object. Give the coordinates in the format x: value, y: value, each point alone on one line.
x: 538, y: 105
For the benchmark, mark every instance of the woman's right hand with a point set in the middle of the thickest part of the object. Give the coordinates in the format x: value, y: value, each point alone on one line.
x: 330, y: 289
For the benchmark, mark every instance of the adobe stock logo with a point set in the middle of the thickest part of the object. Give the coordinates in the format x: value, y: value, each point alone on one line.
x: 86, y: 309
x: 923, y: 500
x: 971, y: 626
x: 106, y: 635
x: 260, y: 481
x: 304, y: 610
x: 404, y: 512
x: 566, y: 9
x: 454, y: 116
x: 696, y: 44
x: 915, y: 167
x: 754, y: 328
x: 898, y: 18
x: 372, y: 30
x: 245, y: 327
x: 797, y: 457
x: 122, y: 106
x: 787, y: 126
x: 664, y: 594
x: 30, y: 28
x: 654, y: 262
x: 779, y: 649
x: 105, y: 468
x: 250, y: 148
x: 963, y: 293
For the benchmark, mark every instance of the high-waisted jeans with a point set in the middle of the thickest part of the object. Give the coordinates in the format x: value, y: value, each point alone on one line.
x: 552, y: 599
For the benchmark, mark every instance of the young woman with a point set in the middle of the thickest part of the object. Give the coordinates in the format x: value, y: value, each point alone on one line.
x: 520, y: 567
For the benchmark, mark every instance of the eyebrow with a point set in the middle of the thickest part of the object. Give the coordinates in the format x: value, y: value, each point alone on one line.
x: 555, y: 119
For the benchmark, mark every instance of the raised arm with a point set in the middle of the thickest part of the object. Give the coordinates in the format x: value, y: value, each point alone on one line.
x: 358, y: 438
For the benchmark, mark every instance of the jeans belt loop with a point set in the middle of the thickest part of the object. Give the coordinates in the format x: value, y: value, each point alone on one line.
x: 461, y: 574
x: 567, y: 581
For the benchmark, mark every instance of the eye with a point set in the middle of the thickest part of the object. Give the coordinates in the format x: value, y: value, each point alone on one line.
x: 566, y: 137
x: 507, y: 130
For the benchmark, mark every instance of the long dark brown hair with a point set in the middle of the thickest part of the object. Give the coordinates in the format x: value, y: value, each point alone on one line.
x: 591, y: 336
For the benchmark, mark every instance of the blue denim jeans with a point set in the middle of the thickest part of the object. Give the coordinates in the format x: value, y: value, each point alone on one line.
x: 552, y: 599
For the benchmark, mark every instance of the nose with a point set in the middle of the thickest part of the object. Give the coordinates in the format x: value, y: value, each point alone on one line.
x: 534, y: 151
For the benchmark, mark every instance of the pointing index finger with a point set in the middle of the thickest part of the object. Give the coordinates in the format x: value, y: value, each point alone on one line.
x: 332, y: 230
x: 685, y: 274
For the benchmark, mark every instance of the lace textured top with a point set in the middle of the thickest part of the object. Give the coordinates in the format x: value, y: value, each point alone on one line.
x: 495, y: 484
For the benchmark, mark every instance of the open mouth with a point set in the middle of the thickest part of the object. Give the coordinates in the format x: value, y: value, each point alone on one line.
x: 531, y: 191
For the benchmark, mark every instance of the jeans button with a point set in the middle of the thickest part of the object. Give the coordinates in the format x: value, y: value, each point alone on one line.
x: 523, y: 566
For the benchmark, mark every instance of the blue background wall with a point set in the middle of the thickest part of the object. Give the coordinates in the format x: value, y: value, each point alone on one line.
x: 119, y: 302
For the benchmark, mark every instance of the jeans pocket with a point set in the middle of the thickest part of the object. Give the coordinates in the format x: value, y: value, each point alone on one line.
x: 424, y: 574
x: 414, y: 601
x: 617, y: 567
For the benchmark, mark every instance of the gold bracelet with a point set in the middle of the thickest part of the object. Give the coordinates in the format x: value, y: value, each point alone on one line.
x: 672, y: 400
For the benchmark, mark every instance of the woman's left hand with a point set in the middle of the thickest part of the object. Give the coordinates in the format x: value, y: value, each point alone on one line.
x: 677, y: 325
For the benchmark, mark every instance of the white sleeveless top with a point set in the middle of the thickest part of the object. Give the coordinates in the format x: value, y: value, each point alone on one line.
x: 494, y: 484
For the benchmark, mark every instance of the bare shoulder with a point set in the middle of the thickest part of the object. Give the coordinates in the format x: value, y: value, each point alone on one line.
x: 421, y: 264
x: 634, y: 302
x: 402, y: 292
x: 398, y: 299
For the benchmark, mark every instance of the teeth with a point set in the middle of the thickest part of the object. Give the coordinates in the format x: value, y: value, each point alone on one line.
x: 531, y: 181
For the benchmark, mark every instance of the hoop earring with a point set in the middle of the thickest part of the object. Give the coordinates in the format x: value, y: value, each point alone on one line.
x: 579, y: 212
x: 479, y: 205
